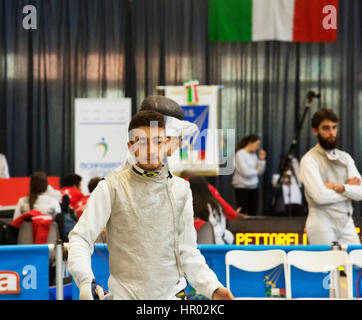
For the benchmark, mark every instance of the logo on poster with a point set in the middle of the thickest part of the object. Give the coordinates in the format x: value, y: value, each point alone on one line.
x: 104, y: 146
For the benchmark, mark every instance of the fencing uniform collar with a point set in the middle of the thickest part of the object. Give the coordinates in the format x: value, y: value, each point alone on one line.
x: 150, y: 174
x: 145, y: 173
x: 330, y: 154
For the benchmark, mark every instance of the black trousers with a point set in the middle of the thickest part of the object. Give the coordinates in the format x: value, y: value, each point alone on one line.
x: 247, y: 199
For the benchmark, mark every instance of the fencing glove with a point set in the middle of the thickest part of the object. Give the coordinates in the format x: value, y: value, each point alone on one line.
x: 93, y: 291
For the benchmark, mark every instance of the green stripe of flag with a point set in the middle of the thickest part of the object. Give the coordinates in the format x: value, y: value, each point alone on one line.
x: 230, y: 20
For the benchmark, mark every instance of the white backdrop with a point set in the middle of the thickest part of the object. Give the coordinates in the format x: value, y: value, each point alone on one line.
x: 101, y: 135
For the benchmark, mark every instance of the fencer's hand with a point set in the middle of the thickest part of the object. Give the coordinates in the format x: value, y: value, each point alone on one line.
x: 355, y: 181
x: 339, y: 188
x: 85, y: 291
x: 262, y: 155
x: 222, y: 294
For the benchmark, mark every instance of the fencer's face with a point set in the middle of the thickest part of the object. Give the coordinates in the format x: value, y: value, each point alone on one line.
x: 148, y: 145
x: 327, y: 134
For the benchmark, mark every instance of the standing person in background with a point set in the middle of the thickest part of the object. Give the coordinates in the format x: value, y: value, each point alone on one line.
x: 248, y: 167
x: 37, y: 199
x: 4, y: 169
x: 288, y: 194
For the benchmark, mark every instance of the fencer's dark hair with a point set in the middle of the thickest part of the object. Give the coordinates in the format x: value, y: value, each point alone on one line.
x: 71, y: 179
x: 323, y: 114
x: 246, y: 140
x: 144, y: 118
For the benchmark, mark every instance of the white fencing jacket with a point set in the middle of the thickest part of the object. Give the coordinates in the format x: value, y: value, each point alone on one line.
x: 150, y: 235
x: 318, y: 167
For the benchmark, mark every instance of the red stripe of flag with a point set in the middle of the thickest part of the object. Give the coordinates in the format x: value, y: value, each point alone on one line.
x: 309, y: 18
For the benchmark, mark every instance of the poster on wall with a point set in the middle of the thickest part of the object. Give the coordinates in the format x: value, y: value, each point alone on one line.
x: 199, y: 152
x: 101, y: 135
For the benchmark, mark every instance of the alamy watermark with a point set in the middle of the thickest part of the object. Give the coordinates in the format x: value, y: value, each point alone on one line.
x: 30, y: 18
x: 330, y: 20
x: 208, y: 148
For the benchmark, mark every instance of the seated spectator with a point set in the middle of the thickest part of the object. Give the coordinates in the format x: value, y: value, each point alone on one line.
x: 71, y: 186
x: 207, y: 208
x: 52, y: 192
x: 81, y: 205
x: 37, y: 199
x: 230, y: 212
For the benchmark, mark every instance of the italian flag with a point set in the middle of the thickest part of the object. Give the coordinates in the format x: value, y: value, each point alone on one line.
x: 283, y: 20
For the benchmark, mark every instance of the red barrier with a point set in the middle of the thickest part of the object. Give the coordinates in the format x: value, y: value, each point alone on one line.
x: 14, y: 188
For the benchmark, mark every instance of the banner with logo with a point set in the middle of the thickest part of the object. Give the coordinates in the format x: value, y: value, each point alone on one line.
x: 101, y: 135
x: 200, y: 152
x: 24, y: 272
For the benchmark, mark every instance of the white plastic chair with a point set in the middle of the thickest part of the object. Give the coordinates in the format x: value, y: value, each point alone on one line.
x: 254, y: 261
x: 355, y: 258
x: 318, y: 261
x: 25, y: 235
x: 205, y: 234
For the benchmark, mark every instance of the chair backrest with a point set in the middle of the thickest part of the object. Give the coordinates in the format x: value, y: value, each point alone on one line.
x: 205, y: 234
x: 255, y: 261
x: 319, y: 261
x: 355, y: 257
x: 25, y: 235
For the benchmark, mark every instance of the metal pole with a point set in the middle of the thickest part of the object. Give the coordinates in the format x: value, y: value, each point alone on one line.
x: 335, y: 274
x: 59, y: 270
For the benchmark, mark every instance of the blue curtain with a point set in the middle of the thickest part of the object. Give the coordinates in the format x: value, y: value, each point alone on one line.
x: 117, y: 48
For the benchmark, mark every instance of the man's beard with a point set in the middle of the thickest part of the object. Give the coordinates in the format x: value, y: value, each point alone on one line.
x: 327, y: 144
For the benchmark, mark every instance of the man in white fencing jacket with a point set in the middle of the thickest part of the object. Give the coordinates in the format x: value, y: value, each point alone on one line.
x: 331, y: 180
x: 148, y: 214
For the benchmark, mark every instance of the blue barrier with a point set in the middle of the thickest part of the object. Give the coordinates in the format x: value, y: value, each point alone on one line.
x: 24, y: 272
x: 246, y: 284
